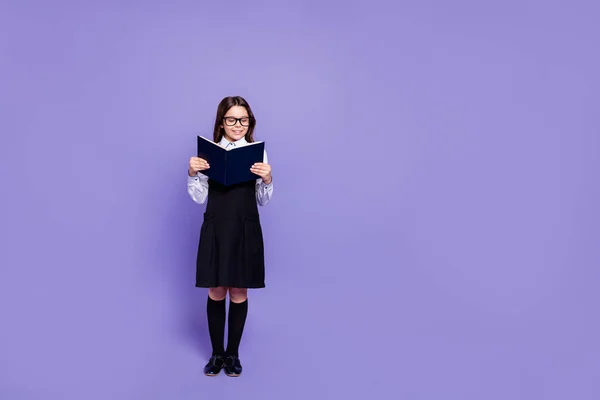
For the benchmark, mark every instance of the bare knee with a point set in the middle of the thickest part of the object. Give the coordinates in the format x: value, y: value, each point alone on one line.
x: 217, y: 293
x: 238, y: 295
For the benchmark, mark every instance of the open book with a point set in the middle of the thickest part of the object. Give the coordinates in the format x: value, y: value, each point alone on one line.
x: 229, y: 167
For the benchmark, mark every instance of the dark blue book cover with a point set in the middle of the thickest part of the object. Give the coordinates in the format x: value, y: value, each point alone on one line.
x: 229, y: 167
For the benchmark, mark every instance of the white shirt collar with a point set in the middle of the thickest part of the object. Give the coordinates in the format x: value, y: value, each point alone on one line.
x: 227, y: 144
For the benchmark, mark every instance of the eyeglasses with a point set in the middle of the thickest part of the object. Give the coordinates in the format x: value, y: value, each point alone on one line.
x: 231, y: 121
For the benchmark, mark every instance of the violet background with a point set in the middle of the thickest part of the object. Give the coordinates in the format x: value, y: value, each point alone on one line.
x: 433, y: 232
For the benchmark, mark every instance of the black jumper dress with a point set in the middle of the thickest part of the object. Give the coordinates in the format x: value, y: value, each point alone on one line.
x: 230, y: 249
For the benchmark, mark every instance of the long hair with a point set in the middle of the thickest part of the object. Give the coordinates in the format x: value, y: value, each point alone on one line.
x: 224, y: 106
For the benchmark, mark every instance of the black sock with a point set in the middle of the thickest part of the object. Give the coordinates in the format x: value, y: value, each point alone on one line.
x: 215, y: 311
x: 237, y: 320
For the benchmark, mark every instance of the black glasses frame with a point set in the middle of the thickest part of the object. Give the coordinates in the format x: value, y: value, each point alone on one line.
x: 236, y: 121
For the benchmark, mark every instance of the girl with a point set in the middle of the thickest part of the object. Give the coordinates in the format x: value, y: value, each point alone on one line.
x: 230, y: 251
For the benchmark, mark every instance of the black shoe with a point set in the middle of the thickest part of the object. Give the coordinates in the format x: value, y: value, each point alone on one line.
x: 233, y: 366
x: 214, y: 366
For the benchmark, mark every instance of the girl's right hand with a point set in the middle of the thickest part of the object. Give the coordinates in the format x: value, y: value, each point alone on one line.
x: 197, y: 165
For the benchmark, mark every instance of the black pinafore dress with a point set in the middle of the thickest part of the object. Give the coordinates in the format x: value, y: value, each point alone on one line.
x: 230, y: 249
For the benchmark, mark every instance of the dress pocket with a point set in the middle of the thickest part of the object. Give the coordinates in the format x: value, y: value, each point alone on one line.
x: 253, y: 242
x: 207, y: 249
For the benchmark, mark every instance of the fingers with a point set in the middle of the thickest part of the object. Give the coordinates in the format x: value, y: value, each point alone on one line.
x: 261, y: 165
x: 198, y: 164
x: 261, y: 169
x: 203, y: 164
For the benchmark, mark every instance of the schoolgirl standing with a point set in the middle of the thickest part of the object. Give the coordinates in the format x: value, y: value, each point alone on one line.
x: 230, y: 251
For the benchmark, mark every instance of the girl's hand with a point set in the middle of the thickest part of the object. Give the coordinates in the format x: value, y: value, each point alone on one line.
x: 263, y: 170
x: 197, y: 165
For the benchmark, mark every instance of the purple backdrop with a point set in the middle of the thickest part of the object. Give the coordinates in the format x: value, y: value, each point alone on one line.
x: 434, y: 227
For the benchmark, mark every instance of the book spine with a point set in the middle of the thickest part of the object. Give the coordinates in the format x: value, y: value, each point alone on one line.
x: 225, y: 177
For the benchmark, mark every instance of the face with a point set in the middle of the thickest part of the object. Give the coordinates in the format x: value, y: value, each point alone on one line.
x: 235, y: 129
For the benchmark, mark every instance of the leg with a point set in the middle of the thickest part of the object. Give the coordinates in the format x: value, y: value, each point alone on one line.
x: 215, y: 311
x: 238, y: 310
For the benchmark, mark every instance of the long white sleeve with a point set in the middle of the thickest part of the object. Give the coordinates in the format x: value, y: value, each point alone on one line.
x: 197, y: 187
x: 264, y: 192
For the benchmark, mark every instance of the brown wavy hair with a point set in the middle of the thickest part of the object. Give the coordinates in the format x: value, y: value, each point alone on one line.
x: 222, y: 109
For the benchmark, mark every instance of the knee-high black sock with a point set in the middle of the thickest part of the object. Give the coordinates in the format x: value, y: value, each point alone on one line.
x: 237, y: 320
x: 215, y: 311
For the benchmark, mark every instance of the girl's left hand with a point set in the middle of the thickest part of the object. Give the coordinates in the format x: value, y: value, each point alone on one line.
x: 263, y: 170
